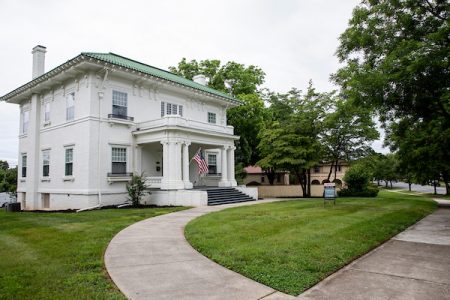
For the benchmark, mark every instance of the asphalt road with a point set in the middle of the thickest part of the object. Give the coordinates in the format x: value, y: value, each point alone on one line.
x: 419, y: 188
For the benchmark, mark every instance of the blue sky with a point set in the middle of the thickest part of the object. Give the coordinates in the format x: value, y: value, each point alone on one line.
x: 292, y: 41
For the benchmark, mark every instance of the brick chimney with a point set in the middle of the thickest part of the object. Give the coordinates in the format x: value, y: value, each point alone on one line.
x: 38, y: 60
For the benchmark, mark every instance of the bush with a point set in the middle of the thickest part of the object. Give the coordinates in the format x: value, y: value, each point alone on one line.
x: 369, y: 191
x: 136, y: 189
x: 357, y: 179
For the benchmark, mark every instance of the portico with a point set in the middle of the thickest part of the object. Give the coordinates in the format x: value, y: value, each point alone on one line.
x: 165, y: 157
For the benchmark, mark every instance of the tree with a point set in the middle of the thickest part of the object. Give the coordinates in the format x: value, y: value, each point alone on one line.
x: 242, y: 82
x: 396, y: 61
x: 4, y: 165
x: 348, y: 130
x: 290, y: 140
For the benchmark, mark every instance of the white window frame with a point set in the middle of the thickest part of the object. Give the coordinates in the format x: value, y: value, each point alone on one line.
x: 23, y: 165
x: 214, y: 164
x: 171, y: 109
x: 47, y: 110
x: 119, y: 157
x: 68, y: 160
x: 46, y: 162
x: 212, y: 118
x: 25, y: 121
x: 120, y: 99
x: 70, y: 110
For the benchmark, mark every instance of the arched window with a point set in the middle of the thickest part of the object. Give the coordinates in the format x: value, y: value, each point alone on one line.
x: 315, y: 182
x: 325, y: 181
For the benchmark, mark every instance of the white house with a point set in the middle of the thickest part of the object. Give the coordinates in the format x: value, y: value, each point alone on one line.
x: 89, y: 124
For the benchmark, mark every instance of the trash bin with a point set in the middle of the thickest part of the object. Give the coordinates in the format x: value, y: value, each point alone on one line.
x: 12, y: 207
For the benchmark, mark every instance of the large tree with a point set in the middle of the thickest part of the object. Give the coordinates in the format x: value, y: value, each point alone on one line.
x: 243, y: 83
x: 290, y: 139
x: 396, y: 56
x: 348, y: 131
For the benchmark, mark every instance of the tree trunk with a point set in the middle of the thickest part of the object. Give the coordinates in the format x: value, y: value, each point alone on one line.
x: 435, y: 189
x: 335, y: 169
x: 386, y: 183
x: 270, y: 172
x: 409, y: 186
x: 309, y: 183
x: 446, y: 182
x: 391, y: 183
x: 331, y: 170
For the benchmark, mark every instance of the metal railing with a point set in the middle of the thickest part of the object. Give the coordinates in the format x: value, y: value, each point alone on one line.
x: 119, y: 174
x: 113, y: 116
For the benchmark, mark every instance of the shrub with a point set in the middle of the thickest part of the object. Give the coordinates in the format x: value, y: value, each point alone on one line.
x: 357, y: 179
x: 136, y: 189
x: 370, y: 191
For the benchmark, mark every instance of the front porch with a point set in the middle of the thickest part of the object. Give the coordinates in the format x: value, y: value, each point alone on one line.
x: 164, y: 155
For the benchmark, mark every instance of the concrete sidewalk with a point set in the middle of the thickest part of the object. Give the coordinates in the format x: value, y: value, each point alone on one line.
x: 152, y: 260
x: 413, y: 265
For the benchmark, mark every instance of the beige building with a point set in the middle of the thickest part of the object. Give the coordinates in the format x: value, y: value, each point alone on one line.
x: 319, y: 174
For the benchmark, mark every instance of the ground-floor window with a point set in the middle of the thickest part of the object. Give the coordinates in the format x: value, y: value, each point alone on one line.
x: 69, y: 162
x: 119, y: 160
x: 212, y: 164
x: 46, y: 163
x: 24, y: 165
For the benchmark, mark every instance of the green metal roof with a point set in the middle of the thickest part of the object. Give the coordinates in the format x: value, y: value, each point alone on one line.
x: 124, y: 62
x: 150, y: 70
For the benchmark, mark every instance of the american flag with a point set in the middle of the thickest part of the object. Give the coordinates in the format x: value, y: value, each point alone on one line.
x: 201, y: 162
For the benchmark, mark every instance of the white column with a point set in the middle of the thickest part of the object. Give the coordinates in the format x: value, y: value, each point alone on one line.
x: 165, y: 165
x: 137, y: 162
x: 231, y: 174
x: 187, y: 183
x: 224, y: 180
x: 172, y: 166
x: 34, y: 171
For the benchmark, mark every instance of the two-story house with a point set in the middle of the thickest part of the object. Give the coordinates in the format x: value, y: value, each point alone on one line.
x: 87, y: 125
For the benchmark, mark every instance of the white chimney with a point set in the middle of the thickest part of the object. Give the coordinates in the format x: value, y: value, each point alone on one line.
x: 200, y: 79
x: 38, y: 60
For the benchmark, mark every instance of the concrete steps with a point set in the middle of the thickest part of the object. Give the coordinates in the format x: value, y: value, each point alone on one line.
x: 226, y: 195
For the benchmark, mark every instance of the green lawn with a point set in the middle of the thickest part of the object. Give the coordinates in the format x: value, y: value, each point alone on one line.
x: 60, y: 255
x: 292, y: 245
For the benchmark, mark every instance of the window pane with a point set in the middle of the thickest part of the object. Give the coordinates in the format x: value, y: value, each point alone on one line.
x: 47, y: 112
x: 45, y: 171
x: 69, y: 168
x: 180, y: 110
x: 70, y: 106
x: 24, y: 171
x: 120, y: 99
x: 162, y: 109
x: 119, y: 167
x: 119, y: 110
x: 69, y: 155
x: 174, y: 109
x: 119, y: 154
x: 169, y: 109
x: 211, y: 118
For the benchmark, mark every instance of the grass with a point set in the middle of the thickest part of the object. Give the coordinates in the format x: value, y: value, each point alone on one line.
x: 60, y: 255
x: 292, y: 245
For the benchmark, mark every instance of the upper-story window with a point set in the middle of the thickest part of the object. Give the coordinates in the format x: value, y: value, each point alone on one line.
x: 46, y: 112
x: 70, y: 107
x: 25, y: 121
x: 171, y: 109
x: 317, y: 169
x: 119, y: 104
x: 339, y: 168
x: 24, y: 165
x: 45, y: 163
x: 211, y: 118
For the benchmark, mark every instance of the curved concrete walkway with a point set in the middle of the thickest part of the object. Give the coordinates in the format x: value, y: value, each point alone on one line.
x: 151, y: 259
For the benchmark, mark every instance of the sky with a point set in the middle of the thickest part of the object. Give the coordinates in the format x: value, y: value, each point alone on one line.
x: 292, y: 41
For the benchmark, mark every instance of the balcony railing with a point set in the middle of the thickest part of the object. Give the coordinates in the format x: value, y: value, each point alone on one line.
x: 174, y: 120
x: 153, y: 182
x: 120, y: 174
x: 122, y: 117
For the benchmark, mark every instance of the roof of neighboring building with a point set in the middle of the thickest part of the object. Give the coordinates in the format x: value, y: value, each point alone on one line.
x: 257, y: 170
x: 127, y: 63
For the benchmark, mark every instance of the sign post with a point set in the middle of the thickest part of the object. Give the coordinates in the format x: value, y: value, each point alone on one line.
x: 329, y: 192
